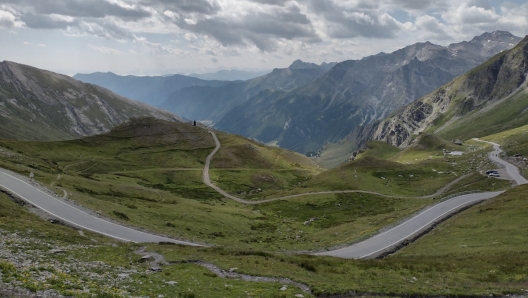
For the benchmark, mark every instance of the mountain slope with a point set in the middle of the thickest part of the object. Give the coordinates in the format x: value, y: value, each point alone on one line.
x: 230, y: 75
x: 37, y: 104
x: 357, y: 92
x: 150, y: 90
x: 491, y: 98
x: 212, y: 103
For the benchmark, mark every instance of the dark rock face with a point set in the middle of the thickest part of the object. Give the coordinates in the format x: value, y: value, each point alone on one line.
x: 40, y: 105
x: 357, y: 92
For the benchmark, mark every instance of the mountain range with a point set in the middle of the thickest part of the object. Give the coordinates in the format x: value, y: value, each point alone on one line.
x: 327, y: 110
x: 212, y: 103
x: 490, y: 98
x: 37, y: 104
x: 357, y: 92
x: 152, y: 90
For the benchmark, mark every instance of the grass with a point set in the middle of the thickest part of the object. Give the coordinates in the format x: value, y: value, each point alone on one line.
x: 146, y: 174
x: 169, y: 198
x: 507, y: 114
x: 132, y: 176
x: 379, y: 150
x: 479, y: 252
x: 105, y: 259
x: 513, y: 141
x: 478, y: 182
x: 382, y: 176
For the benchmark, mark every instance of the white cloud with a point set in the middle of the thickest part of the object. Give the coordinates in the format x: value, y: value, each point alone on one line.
x: 253, y: 33
x: 41, y: 45
x: 429, y: 26
x: 106, y: 50
x: 172, y: 15
x: 190, y: 36
x: 465, y: 14
x: 9, y: 20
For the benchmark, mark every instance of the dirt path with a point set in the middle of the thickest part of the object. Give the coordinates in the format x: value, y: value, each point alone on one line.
x: 207, y: 181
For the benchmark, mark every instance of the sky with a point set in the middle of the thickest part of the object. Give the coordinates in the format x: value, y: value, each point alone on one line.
x: 156, y: 37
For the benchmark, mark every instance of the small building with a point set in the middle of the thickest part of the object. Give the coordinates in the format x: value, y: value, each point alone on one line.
x: 456, y: 142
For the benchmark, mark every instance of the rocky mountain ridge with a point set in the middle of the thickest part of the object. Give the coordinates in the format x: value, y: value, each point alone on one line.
x: 356, y: 93
x: 37, y: 104
x: 212, y: 103
x: 484, y: 86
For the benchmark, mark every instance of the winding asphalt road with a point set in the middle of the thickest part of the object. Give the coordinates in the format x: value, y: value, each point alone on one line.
x: 72, y: 215
x: 390, y: 240
x: 512, y: 170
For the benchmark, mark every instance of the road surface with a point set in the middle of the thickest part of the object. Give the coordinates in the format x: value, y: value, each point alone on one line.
x: 392, y: 239
x: 512, y: 170
x: 16, y: 185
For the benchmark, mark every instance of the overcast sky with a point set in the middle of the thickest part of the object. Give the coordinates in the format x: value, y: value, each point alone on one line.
x: 180, y: 36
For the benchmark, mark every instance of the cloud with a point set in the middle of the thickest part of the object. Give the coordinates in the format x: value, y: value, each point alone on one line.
x: 80, y: 8
x: 432, y: 27
x: 358, y: 19
x: 272, y: 2
x: 41, y: 45
x: 158, y: 48
x: 473, y: 15
x: 259, y: 28
x: 206, y: 7
x: 8, y: 20
x: 106, y: 29
x: 106, y: 50
x: 37, y: 21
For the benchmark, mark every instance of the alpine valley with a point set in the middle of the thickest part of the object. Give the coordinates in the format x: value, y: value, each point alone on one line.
x: 397, y: 175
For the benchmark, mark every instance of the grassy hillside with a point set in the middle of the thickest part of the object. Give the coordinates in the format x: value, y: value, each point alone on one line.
x: 513, y: 141
x: 252, y: 170
x: 379, y: 150
x: 148, y: 173
x: 36, y: 104
x: 90, y: 265
x: 506, y: 114
x: 480, y: 252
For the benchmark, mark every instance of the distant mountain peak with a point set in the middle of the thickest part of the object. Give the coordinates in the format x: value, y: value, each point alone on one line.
x: 495, y: 35
x: 299, y: 64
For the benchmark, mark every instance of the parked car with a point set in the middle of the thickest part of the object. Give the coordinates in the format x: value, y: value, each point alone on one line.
x: 493, y: 175
x: 491, y: 172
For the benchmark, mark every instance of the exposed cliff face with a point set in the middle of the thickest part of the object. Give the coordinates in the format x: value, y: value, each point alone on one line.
x: 482, y: 87
x: 40, y: 105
